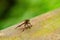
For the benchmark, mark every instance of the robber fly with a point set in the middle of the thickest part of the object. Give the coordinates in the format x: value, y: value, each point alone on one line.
x: 26, y: 23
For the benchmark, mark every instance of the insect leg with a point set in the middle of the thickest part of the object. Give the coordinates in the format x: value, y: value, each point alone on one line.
x: 20, y: 25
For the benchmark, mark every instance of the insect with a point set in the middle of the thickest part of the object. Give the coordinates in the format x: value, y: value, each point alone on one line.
x: 26, y: 24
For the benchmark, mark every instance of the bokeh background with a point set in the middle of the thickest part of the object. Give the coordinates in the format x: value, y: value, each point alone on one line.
x: 15, y: 11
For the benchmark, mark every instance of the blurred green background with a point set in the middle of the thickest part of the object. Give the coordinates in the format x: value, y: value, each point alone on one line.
x: 24, y: 9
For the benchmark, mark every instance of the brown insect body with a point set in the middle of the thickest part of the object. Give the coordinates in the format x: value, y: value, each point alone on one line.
x: 26, y: 24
